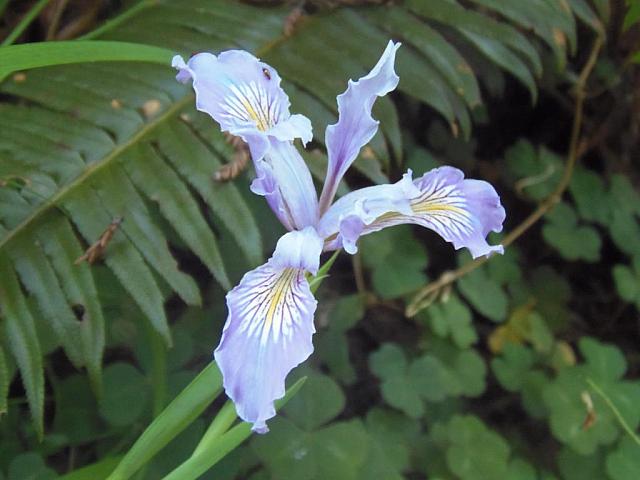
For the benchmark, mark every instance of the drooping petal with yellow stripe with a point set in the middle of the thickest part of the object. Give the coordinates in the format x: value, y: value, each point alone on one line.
x: 462, y: 211
x: 269, y: 327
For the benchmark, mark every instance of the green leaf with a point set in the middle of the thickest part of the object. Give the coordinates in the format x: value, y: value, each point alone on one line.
x: 337, y: 451
x: 512, y: 367
x: 574, y: 242
x: 33, y: 55
x: 388, y: 361
x: 484, y: 294
x: 30, y: 466
x: 624, y: 462
x: 474, y: 451
x: 126, y: 395
x: 20, y: 332
x: 452, y: 318
x: 211, y: 450
x: 319, y: 401
x: 76, y: 415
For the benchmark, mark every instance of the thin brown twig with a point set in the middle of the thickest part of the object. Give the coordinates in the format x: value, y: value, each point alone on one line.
x: 547, y: 204
x: 59, y: 9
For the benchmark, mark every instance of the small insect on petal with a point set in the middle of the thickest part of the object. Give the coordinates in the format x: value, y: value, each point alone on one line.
x: 266, y: 73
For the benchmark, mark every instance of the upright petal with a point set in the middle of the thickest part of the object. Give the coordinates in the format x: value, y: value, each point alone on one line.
x: 244, y: 96
x: 284, y: 179
x: 461, y: 211
x: 269, y: 327
x: 356, y: 127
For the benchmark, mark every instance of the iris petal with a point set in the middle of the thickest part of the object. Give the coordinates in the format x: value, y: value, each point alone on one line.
x: 244, y: 96
x: 356, y: 127
x: 461, y: 211
x: 269, y: 328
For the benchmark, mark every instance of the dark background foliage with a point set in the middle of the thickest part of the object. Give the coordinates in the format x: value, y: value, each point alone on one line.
x: 524, y: 367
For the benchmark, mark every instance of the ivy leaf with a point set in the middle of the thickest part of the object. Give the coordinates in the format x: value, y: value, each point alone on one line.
x: 624, y: 462
x: 627, y: 280
x: 390, y: 435
x: 451, y: 318
x: 397, y: 260
x: 606, y: 365
x: 317, y: 403
x: 474, y: 451
x: 573, y: 241
x: 484, y: 294
x: 336, y: 451
x: 512, y: 366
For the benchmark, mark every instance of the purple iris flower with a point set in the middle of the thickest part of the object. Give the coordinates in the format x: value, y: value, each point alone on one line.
x: 270, y: 323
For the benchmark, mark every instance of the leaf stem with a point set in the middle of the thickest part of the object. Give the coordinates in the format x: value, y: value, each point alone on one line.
x: 547, y: 204
x: 25, y: 22
x: 615, y: 410
x: 117, y: 20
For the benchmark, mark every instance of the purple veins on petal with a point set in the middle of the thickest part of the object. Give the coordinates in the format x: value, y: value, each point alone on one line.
x: 269, y: 327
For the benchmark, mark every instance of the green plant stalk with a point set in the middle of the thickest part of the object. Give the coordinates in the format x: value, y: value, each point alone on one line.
x: 213, y: 448
x: 220, y: 424
x: 615, y: 411
x: 99, y: 469
x: 25, y: 22
x: 158, y: 368
x: 323, y: 272
x: 42, y: 54
x: 183, y: 410
x: 115, y: 21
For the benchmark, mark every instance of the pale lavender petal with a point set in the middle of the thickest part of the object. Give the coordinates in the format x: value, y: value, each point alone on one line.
x: 284, y: 179
x: 461, y: 211
x: 244, y: 96
x: 356, y: 127
x: 269, y: 327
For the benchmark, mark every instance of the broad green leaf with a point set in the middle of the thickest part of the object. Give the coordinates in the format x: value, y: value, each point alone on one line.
x: 33, y: 55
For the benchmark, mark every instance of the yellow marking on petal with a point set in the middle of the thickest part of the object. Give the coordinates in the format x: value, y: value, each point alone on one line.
x: 278, y: 293
x: 427, y: 207
x: 261, y: 123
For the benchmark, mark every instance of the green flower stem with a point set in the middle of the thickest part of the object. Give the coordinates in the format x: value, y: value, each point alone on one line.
x: 323, y: 272
x: 183, y: 410
x: 212, y: 448
x: 25, y: 22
